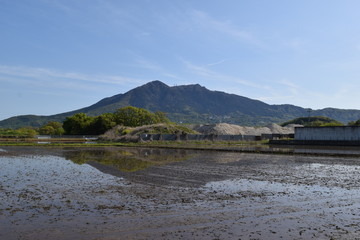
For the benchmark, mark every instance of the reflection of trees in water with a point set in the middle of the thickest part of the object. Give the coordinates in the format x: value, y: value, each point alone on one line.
x: 129, y: 159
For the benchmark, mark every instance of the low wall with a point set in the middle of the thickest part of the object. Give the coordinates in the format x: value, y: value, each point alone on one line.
x: 197, y: 137
x: 68, y: 136
x: 315, y: 142
x: 341, y: 133
x: 211, y: 137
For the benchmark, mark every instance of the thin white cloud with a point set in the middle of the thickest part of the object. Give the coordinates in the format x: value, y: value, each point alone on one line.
x: 281, y: 92
x: 216, y: 63
x: 60, y: 5
x: 142, y: 62
x: 199, y: 70
x: 171, y: 76
x: 49, y: 75
x: 287, y: 91
x: 204, y: 20
x: 291, y: 87
x: 101, y: 17
x: 146, y: 64
x: 219, y: 77
x: 344, y: 92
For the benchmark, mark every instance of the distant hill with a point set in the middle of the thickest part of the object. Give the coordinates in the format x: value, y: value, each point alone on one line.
x: 316, y: 121
x: 192, y: 104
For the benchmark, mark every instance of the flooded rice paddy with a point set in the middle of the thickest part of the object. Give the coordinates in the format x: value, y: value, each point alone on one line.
x: 137, y: 193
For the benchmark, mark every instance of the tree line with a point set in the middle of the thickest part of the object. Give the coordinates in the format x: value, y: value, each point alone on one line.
x: 82, y: 124
x: 319, y: 121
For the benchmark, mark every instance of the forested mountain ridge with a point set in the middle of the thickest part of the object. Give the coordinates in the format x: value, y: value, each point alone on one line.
x: 192, y: 104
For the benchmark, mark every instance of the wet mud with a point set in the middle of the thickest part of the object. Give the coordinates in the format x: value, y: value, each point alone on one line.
x: 139, y: 193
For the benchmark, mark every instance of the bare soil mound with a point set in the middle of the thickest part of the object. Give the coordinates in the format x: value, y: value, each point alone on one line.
x: 128, y: 134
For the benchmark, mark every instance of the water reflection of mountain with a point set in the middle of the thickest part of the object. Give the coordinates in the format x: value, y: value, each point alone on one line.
x: 154, y: 166
x: 126, y: 159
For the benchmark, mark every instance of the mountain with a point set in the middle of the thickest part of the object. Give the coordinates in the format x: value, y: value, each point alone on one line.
x: 192, y: 104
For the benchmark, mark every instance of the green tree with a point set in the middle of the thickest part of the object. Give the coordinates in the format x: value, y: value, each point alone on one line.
x: 27, y: 132
x: 133, y: 117
x: 102, y: 123
x: 81, y: 124
x: 354, y: 123
x: 47, y: 130
x: 78, y: 124
x: 52, y: 128
x: 161, y: 117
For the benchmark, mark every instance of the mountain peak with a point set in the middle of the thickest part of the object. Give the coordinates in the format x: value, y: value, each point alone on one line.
x: 156, y: 83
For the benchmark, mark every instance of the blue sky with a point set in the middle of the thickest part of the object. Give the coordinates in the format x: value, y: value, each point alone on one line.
x: 61, y: 55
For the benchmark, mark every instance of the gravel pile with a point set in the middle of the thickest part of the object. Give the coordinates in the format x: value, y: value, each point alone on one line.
x: 232, y: 129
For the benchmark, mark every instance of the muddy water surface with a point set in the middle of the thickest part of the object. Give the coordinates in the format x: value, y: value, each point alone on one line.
x: 139, y: 193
